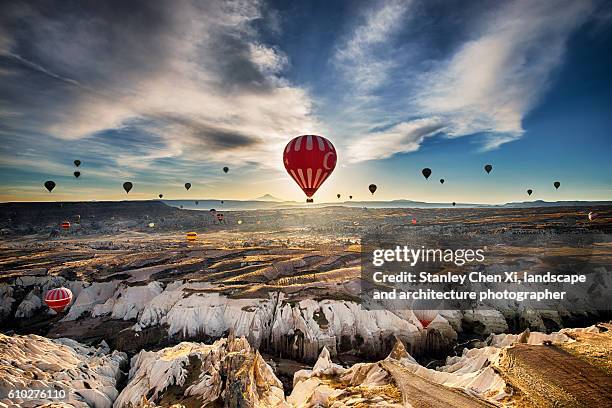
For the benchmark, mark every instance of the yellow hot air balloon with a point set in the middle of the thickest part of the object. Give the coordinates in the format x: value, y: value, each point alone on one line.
x: 192, y: 236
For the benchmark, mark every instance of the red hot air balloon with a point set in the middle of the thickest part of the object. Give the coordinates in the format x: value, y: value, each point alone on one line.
x: 309, y: 160
x: 425, y: 316
x: 58, y: 299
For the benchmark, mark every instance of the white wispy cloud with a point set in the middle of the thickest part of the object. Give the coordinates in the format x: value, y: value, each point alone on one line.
x: 404, y: 137
x: 363, y: 57
x: 200, y: 81
x: 490, y: 82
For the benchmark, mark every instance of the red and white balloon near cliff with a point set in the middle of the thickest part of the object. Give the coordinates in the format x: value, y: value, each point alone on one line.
x: 309, y: 160
x: 58, y: 299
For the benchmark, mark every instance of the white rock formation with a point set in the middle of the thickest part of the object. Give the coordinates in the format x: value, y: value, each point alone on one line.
x: 6, y: 300
x: 88, y: 375
x: 128, y: 301
x: 228, y: 370
x: 30, y: 304
x: 312, y: 325
x: 328, y: 384
x: 90, y: 296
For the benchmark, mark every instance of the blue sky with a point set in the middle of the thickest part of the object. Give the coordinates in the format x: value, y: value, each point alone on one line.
x: 166, y: 92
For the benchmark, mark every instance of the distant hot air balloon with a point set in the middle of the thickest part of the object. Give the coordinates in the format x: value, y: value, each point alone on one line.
x: 77, y: 163
x: 557, y: 185
x: 161, y: 196
x: 151, y: 224
x: 488, y: 168
x: 425, y: 316
x: 350, y: 197
x: 338, y: 195
x: 529, y: 191
x: 239, y: 222
x: 66, y: 225
x: 196, y: 203
x: 441, y: 181
x: 127, y: 186
x: 187, y: 186
x: 372, y: 188
x: 221, y: 201
x: 58, y: 299
x: 49, y: 185
x: 77, y: 174
x: 225, y: 169
x: 454, y: 204
x: 192, y: 236
x: 426, y: 172
x: 309, y: 160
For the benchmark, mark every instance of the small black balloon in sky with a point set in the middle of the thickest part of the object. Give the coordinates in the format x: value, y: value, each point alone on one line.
x: 49, y: 185
x: 426, y: 172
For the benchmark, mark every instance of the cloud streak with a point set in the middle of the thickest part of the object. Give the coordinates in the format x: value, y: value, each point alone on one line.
x: 193, y: 75
x: 489, y: 83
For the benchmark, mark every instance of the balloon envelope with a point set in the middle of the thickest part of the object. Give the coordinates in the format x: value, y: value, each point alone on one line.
x: 441, y: 181
x: 557, y: 184
x: 77, y: 174
x: 454, y: 203
x: 425, y: 316
x: 372, y: 188
x: 309, y: 160
x: 225, y: 169
x: 350, y: 197
x: 488, y: 168
x: 529, y: 191
x: 338, y: 195
x: 127, y: 186
x: 161, y: 196
x: 77, y: 163
x: 187, y: 186
x: 58, y: 299
x: 49, y: 185
x: 426, y: 172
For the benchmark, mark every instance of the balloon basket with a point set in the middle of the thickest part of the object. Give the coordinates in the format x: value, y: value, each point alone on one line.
x: 309, y: 200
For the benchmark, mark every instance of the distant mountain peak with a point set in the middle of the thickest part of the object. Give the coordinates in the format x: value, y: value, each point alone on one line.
x: 268, y: 197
